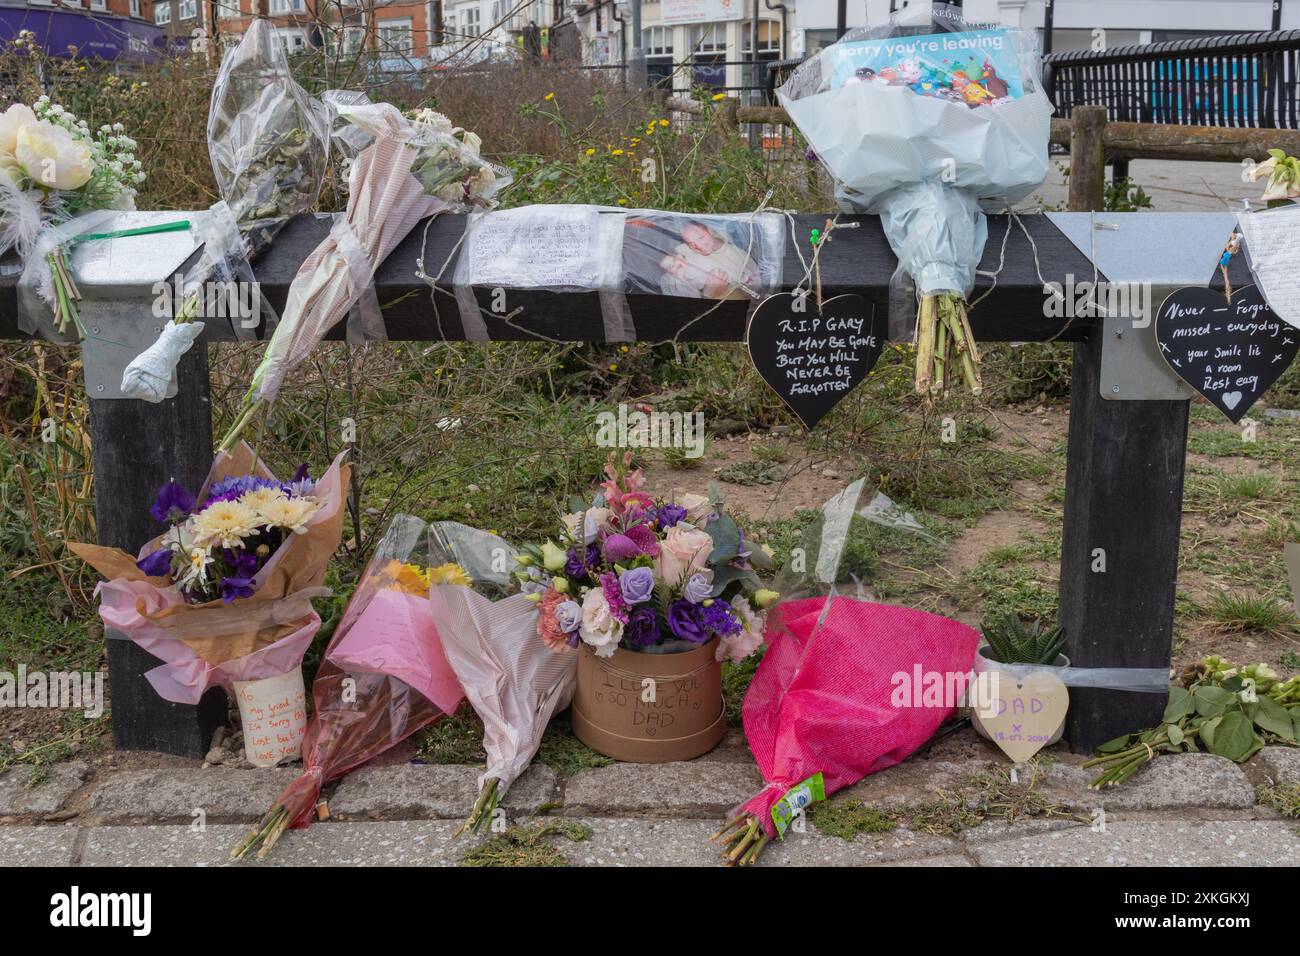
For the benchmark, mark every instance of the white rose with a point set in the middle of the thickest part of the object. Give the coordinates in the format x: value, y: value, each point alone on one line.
x: 11, y: 174
x: 472, y: 141
x: 11, y: 121
x: 599, y: 627
x: 51, y: 157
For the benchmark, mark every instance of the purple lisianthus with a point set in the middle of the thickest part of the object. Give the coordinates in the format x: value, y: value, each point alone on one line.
x: 173, y: 503
x: 637, y: 585
x: 581, y: 564
x: 718, y: 619
x: 642, y: 628
x: 156, y: 565
x: 699, y: 587
x: 669, y: 515
x: 685, y: 622
x: 568, y: 615
x: 235, y: 587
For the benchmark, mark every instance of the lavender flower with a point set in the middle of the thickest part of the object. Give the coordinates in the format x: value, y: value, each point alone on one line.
x: 173, y: 503
x: 228, y: 489
x: 568, y: 615
x: 718, y: 619
x: 698, y: 588
x: 637, y: 585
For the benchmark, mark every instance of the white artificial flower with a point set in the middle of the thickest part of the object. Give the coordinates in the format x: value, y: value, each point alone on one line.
x: 11, y: 121
x: 51, y: 157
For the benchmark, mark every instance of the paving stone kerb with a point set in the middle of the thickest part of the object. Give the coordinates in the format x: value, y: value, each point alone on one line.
x: 49, y: 796
x: 1170, y: 782
x: 433, y: 792
x: 690, y: 789
x: 1151, y: 843
x: 1281, y: 765
x: 173, y: 795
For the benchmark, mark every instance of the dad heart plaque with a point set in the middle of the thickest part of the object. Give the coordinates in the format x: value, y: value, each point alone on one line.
x: 1229, y: 351
x: 813, y: 357
x: 1020, y: 714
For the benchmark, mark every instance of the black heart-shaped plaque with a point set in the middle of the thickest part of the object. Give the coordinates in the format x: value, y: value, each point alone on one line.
x: 1230, y: 351
x: 813, y: 357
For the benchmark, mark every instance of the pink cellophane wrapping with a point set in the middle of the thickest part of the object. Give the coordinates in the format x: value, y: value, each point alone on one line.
x: 821, y: 698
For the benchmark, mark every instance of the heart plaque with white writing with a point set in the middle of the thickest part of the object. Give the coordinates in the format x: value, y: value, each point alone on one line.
x: 1230, y: 351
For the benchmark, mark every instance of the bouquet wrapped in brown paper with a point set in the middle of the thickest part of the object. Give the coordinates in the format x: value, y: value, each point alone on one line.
x: 223, y: 597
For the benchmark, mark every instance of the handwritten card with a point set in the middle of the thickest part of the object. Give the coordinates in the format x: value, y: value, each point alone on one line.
x: 273, y: 712
x: 1274, y: 256
x: 540, y: 247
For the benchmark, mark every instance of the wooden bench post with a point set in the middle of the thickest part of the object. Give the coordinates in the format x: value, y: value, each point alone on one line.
x: 1123, y: 508
x: 136, y: 448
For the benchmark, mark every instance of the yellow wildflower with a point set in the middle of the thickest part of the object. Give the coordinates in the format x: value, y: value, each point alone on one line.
x: 549, y: 97
x: 592, y: 151
x: 663, y: 122
x: 719, y: 96
x: 618, y: 152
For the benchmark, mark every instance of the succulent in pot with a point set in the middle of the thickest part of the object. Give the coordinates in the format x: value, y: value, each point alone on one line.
x: 1012, y: 645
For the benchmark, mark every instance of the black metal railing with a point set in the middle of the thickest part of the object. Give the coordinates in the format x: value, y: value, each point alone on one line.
x: 1243, y: 80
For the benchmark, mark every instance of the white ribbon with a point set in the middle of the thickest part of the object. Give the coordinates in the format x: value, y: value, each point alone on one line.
x: 149, y: 374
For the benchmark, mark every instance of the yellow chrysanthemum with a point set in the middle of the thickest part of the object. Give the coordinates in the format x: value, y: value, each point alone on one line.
x: 259, y: 497
x: 226, y: 523
x: 407, y: 577
x: 591, y: 151
x: 291, y: 514
x: 450, y: 573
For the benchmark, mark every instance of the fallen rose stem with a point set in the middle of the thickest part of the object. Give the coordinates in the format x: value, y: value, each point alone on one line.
x: 481, y: 808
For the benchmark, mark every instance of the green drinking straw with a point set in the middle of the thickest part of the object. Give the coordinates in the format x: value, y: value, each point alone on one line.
x: 175, y: 226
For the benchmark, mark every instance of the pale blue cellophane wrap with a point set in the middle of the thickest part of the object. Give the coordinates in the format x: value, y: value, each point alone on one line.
x: 928, y: 166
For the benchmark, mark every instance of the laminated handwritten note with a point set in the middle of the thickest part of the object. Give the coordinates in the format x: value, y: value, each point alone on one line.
x: 813, y: 358
x: 1230, y: 352
x: 1274, y: 256
x: 273, y: 712
x: 541, y: 247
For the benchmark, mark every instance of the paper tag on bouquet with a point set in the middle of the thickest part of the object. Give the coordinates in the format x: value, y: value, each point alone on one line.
x: 273, y: 712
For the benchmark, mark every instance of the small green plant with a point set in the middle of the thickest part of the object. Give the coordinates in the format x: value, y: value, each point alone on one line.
x: 1249, y: 612
x: 1124, y: 195
x: 1015, y: 641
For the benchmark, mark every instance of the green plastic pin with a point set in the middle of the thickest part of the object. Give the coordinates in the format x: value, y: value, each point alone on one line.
x: 816, y: 235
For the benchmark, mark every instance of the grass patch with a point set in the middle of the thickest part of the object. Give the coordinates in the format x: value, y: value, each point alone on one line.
x: 1249, y: 612
x: 984, y: 796
x: 527, y: 845
x: 1007, y: 587
x: 565, y: 753
x: 735, y: 683
x: 1284, y: 798
x: 752, y: 473
x: 454, y: 739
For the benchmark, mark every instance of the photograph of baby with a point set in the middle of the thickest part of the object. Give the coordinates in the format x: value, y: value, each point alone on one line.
x: 701, y: 257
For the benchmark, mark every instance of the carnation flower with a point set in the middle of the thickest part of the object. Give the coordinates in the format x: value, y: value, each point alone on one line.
x: 549, y: 629
x: 225, y: 523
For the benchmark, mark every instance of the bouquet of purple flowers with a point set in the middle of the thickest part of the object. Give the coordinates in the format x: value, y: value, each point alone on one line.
x: 645, y: 575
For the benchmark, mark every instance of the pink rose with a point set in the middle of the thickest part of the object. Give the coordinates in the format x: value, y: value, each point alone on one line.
x: 683, y: 551
x: 697, y: 507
